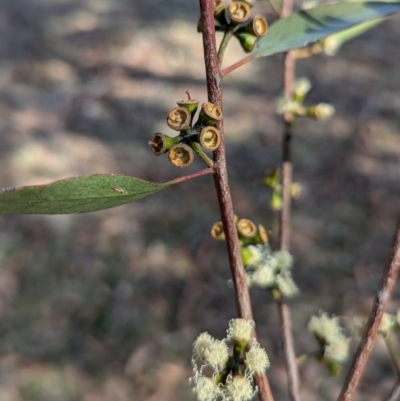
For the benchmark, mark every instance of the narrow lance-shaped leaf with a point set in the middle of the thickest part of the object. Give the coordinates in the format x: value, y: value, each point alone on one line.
x: 307, y: 26
x: 81, y: 194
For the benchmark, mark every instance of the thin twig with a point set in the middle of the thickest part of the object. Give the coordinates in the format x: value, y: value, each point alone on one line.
x: 284, y: 223
x: 394, y: 394
x: 228, y: 35
x: 288, y: 346
x: 365, y: 347
x: 392, y: 352
x: 213, y: 76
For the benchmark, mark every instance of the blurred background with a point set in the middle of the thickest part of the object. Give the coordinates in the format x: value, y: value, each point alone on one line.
x: 105, y: 306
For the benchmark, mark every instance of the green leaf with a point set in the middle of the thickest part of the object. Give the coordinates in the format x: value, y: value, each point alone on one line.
x: 307, y: 26
x: 81, y: 194
x: 331, y: 45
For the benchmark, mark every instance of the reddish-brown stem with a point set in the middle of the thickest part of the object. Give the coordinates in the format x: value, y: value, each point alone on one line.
x: 193, y: 175
x: 365, y: 347
x: 288, y: 347
x: 284, y: 223
x: 213, y: 76
x: 235, y: 66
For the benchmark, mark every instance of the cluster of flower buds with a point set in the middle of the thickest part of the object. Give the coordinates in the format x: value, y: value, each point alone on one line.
x: 236, y: 17
x: 192, y: 137
x: 273, y: 181
x: 389, y: 324
x: 269, y: 269
x: 222, y: 375
x: 295, y: 106
x: 334, y: 346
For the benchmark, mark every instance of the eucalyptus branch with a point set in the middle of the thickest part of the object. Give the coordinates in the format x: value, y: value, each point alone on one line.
x: 382, y: 296
x: 213, y: 76
x: 284, y: 223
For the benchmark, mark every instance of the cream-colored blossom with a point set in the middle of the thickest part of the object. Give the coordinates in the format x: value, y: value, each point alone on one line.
x: 338, y: 350
x: 216, y: 355
x: 206, y: 389
x: 256, y: 360
x: 240, y: 330
x: 286, y: 285
x: 239, y: 388
x: 203, y: 341
x: 325, y: 328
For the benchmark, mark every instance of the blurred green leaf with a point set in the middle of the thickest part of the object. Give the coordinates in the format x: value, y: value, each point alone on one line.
x: 307, y: 26
x: 77, y: 195
x: 331, y: 45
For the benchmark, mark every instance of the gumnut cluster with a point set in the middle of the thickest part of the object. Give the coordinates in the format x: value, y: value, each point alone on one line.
x: 203, y: 135
x: 224, y: 369
x: 236, y: 18
x: 264, y: 268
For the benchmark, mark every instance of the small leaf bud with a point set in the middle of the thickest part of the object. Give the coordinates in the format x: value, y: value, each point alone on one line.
x: 238, y: 12
x: 247, y: 41
x: 246, y: 254
x: 273, y: 178
x: 210, y: 138
x: 162, y: 143
x: 210, y: 114
x: 181, y: 155
x: 276, y: 201
x: 301, y: 88
x: 321, y: 111
x: 178, y: 119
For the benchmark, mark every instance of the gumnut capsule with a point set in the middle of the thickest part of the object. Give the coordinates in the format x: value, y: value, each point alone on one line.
x: 178, y: 119
x: 181, y: 155
x: 161, y: 143
x: 210, y: 138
